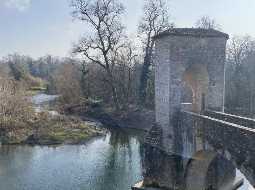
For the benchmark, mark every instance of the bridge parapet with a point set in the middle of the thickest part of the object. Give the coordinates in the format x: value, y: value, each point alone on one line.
x: 235, y: 142
x: 244, y: 121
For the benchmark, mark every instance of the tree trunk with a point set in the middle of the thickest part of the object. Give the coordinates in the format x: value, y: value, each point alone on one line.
x: 144, y: 81
x: 145, y: 71
x: 114, y: 91
x: 115, y: 98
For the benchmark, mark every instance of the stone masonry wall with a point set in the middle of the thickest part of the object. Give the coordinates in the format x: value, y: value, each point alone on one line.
x: 232, y: 141
x: 175, y: 54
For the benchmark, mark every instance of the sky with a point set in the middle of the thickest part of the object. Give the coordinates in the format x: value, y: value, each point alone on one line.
x: 40, y: 27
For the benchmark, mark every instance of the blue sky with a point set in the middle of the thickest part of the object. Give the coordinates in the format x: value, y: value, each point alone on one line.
x: 39, y: 27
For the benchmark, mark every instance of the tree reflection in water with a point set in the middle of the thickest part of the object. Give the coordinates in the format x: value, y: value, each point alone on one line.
x: 122, y: 161
x: 111, y: 162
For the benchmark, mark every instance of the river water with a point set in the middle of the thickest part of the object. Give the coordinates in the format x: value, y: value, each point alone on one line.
x: 105, y: 163
x: 44, y: 102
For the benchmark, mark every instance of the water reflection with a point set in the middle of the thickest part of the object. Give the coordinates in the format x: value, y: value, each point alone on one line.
x: 207, y: 170
x: 111, y: 162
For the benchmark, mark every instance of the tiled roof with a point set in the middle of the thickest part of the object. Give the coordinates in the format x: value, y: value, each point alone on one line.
x: 196, y: 32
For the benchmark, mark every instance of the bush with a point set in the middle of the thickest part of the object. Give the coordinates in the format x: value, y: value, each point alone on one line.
x: 15, y: 108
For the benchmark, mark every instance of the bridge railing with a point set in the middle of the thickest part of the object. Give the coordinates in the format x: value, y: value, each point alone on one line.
x: 237, y: 141
x: 244, y: 121
x: 224, y: 129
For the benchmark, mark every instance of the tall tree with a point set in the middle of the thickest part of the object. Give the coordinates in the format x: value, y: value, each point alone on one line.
x: 107, y: 31
x: 238, y: 49
x: 240, y: 74
x: 154, y: 21
x: 85, y: 84
x: 18, y: 66
x: 206, y: 22
x: 127, y: 58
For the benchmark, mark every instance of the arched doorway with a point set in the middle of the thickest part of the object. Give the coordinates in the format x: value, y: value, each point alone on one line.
x: 196, y: 81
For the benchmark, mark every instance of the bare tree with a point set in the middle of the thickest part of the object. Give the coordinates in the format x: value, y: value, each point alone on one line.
x: 238, y: 49
x: 67, y: 83
x: 104, y: 20
x: 15, y: 108
x: 154, y: 21
x: 127, y: 57
x: 206, y: 22
x: 240, y: 74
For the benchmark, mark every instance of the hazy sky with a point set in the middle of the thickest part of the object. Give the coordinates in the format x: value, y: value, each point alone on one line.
x: 39, y: 27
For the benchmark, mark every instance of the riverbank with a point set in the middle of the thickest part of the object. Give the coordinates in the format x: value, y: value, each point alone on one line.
x: 73, y: 124
x: 133, y: 118
x: 47, y: 130
x: 44, y: 126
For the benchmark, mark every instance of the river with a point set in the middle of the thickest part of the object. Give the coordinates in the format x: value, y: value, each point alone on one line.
x: 105, y: 163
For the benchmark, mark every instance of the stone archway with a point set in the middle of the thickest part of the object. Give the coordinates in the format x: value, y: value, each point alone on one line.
x: 209, y: 171
x: 197, y: 78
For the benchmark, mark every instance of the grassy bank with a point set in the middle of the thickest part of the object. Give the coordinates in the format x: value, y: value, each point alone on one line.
x: 47, y: 130
x: 65, y: 130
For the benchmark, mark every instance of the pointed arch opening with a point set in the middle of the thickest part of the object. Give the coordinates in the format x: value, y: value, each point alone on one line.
x: 195, y: 87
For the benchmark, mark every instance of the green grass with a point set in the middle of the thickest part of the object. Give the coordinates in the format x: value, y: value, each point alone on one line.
x: 37, y: 88
x: 53, y: 131
x: 67, y: 132
x: 34, y: 90
x: 64, y: 135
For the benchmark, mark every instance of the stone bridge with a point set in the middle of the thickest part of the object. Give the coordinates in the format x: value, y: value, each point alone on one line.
x: 206, y: 153
x: 194, y: 145
x: 234, y: 142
